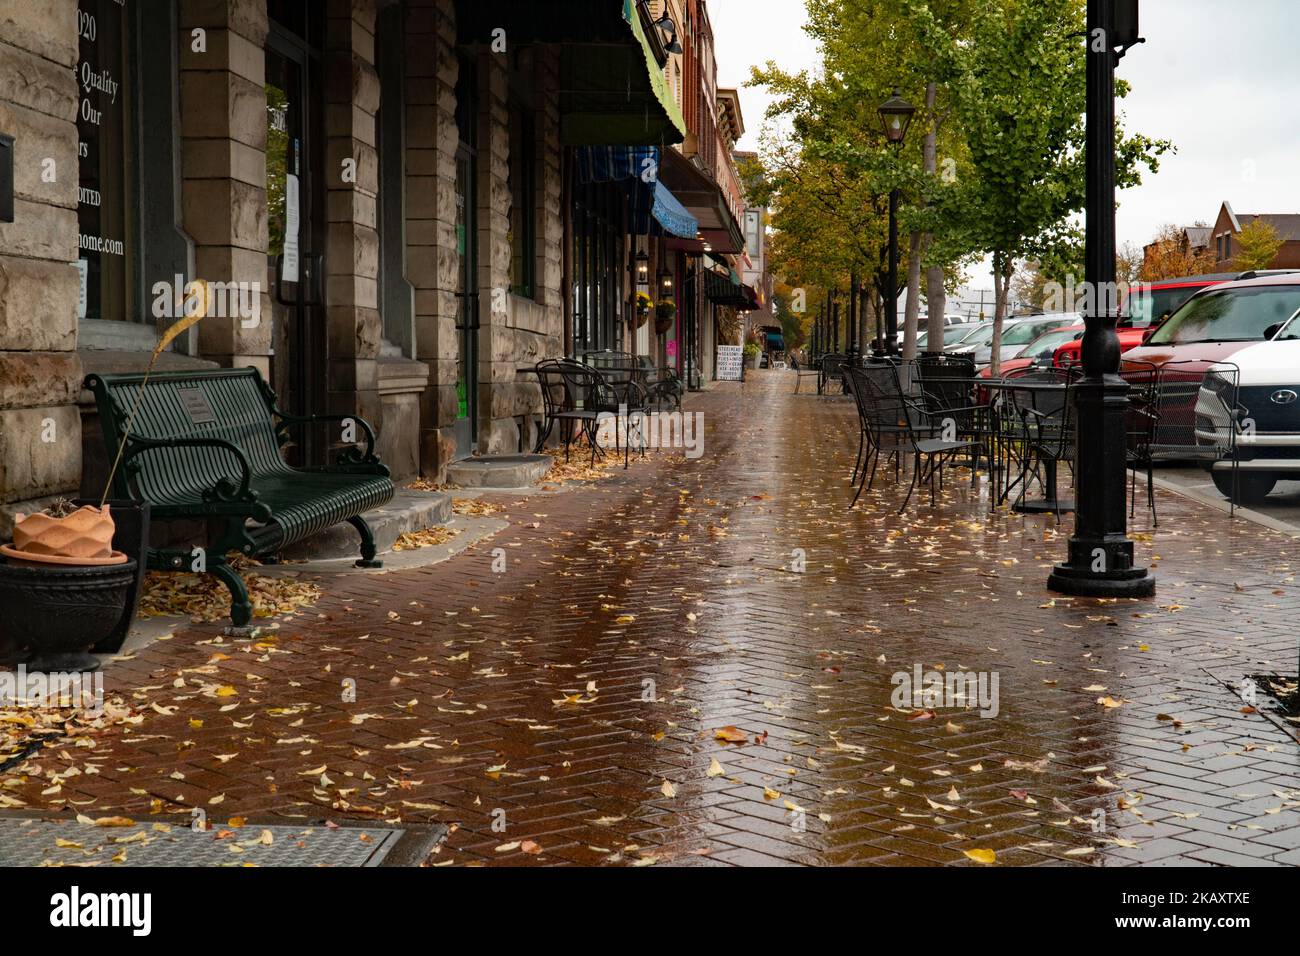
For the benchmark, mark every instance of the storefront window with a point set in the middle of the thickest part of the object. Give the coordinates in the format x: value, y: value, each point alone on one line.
x: 103, y: 128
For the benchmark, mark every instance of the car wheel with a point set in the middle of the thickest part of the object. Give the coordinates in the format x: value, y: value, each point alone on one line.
x: 1252, y: 487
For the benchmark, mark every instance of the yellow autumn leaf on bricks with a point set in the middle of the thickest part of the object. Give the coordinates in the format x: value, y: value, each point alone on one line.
x: 770, y: 794
x: 981, y: 856
x: 1109, y: 701
x: 730, y: 735
x: 668, y: 790
x: 715, y: 768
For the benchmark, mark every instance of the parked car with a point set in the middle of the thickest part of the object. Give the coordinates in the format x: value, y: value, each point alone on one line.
x: 1041, y: 351
x: 1143, y: 311
x: 1252, y: 325
x: 1017, y: 333
x: 1152, y: 302
x: 953, y: 335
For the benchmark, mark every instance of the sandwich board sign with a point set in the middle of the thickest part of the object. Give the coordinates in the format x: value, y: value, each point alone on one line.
x: 730, y: 359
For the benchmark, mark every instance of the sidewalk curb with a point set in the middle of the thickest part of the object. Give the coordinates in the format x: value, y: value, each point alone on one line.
x: 1221, y: 505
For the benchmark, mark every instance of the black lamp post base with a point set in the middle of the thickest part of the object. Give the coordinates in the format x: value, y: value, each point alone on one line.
x: 1080, y: 580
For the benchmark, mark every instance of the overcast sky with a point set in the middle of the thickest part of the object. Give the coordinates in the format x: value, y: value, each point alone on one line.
x: 1217, y: 77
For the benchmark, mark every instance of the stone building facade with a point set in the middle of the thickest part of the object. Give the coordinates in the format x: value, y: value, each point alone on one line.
x: 382, y: 191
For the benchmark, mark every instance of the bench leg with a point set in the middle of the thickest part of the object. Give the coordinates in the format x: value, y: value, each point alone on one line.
x: 367, y: 543
x: 241, y: 610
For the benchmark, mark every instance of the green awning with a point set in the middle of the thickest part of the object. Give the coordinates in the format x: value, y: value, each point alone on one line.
x: 615, y: 94
x: 612, y: 87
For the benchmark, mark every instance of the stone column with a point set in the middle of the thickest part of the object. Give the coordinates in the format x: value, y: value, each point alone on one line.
x: 432, y: 259
x: 519, y: 331
x: 40, y: 374
x: 223, y: 190
x: 498, y: 432
x: 352, y: 242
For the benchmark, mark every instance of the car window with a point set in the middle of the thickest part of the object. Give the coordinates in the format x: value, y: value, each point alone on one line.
x: 1047, y: 343
x: 981, y: 336
x: 1022, y: 333
x: 1229, y: 315
x: 1152, y: 306
x: 958, y: 333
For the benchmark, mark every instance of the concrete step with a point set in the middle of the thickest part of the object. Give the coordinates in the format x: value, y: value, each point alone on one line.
x: 498, y: 471
x: 408, y: 511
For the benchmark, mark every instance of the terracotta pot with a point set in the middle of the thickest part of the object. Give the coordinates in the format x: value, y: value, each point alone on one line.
x: 86, y: 533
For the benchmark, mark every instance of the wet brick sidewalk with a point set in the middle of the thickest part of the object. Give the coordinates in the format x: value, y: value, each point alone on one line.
x: 567, y: 710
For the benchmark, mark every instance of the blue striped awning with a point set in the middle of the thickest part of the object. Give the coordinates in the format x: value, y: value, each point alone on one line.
x: 655, y: 210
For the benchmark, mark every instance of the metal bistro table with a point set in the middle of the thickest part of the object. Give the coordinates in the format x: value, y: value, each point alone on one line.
x: 1037, y: 391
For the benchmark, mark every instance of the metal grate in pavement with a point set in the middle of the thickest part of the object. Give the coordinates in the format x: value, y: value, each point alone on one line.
x: 27, y: 842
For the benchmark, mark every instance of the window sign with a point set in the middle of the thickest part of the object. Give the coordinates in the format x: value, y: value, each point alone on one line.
x: 103, y: 118
x: 289, y: 272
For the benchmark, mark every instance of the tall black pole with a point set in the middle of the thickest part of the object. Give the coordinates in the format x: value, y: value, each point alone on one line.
x: 891, y: 307
x: 851, y: 326
x: 1100, y: 562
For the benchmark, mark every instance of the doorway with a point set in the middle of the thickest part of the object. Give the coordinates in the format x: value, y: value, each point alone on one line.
x: 295, y: 221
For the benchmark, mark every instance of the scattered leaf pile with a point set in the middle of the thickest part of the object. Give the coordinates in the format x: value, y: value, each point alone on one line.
x: 473, y: 507
x: 205, y: 599
x: 425, y: 538
x: 424, y: 484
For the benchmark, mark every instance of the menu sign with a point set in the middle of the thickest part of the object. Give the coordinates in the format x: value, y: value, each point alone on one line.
x: 103, y: 147
x: 730, y: 359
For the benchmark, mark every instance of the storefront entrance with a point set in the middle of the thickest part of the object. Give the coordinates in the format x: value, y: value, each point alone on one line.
x: 296, y: 219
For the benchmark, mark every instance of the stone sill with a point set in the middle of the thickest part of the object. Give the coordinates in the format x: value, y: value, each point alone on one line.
x: 400, y: 376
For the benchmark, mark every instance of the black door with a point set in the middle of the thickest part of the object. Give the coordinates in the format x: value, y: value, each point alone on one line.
x: 296, y: 220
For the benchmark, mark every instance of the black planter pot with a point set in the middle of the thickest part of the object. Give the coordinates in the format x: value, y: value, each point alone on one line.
x: 54, y: 615
x: 131, y: 537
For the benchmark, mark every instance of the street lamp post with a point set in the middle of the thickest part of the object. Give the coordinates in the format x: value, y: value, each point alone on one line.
x: 1100, y: 561
x: 896, y: 115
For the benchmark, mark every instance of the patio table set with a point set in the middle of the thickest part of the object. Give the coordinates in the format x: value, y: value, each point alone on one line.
x: 1020, y: 428
x: 579, y: 394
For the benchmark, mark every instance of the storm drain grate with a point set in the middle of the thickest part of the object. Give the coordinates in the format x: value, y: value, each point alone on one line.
x: 27, y: 842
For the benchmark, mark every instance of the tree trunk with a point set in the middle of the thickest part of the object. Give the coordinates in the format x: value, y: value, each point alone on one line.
x: 935, y: 296
x: 999, y: 310
x: 913, y: 295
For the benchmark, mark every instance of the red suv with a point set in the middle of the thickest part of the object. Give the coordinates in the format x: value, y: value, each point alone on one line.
x: 1150, y: 304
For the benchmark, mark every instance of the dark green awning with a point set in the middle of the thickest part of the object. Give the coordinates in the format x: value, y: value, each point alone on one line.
x: 612, y: 88
x: 615, y: 94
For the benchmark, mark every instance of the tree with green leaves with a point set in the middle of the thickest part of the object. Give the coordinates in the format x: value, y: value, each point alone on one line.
x: 1021, y: 92
x: 1258, y: 244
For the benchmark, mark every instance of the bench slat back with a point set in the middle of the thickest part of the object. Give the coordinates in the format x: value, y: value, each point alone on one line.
x: 227, y: 404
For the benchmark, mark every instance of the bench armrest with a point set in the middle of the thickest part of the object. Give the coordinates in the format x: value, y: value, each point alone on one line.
x: 350, y: 456
x: 226, y: 490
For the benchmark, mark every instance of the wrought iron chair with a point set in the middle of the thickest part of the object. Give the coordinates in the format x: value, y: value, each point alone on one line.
x: 1140, y: 426
x: 1200, y: 416
x: 624, y: 375
x: 832, y: 374
x: 576, y: 396
x: 900, y: 423
x: 813, y: 368
x: 1044, y: 425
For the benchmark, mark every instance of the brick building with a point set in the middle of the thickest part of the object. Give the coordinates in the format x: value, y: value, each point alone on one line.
x: 398, y: 206
x: 1227, y: 224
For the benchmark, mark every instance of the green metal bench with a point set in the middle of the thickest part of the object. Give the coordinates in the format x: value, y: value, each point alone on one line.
x: 206, y: 445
